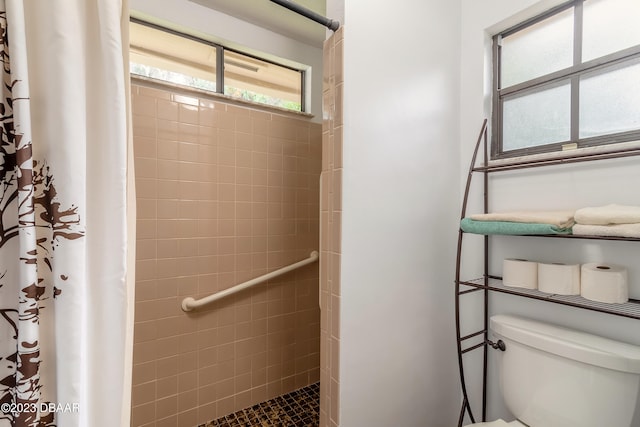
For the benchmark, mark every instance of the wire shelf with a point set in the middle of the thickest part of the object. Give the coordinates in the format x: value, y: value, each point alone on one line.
x: 554, y: 161
x: 629, y: 309
x: 566, y: 236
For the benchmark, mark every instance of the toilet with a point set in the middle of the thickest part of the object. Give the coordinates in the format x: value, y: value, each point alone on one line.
x: 552, y: 376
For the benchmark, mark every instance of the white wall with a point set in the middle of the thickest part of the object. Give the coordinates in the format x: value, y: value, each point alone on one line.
x: 400, y: 202
x: 569, y: 187
x: 192, y: 18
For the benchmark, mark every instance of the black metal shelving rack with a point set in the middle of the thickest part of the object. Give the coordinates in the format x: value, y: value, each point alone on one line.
x: 488, y: 283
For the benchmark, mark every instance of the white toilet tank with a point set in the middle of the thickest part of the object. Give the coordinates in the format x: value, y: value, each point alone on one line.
x: 557, y: 377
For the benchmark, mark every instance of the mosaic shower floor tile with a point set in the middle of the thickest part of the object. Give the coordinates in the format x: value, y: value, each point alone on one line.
x: 300, y: 408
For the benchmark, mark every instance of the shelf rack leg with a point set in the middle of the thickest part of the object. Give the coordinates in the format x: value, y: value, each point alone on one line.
x: 466, y: 407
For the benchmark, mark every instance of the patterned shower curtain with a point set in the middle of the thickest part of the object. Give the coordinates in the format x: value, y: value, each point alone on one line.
x: 65, y: 214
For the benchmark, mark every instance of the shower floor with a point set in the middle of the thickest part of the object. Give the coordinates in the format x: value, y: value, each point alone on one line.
x: 300, y: 408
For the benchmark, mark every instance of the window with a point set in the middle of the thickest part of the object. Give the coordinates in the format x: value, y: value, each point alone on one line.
x: 167, y: 56
x: 569, y: 78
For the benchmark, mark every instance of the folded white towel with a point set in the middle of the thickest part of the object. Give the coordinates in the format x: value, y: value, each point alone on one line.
x: 609, y: 214
x: 615, y: 230
x: 562, y: 219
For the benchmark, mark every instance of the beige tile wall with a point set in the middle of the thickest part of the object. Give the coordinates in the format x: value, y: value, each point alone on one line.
x: 330, y: 219
x: 225, y: 193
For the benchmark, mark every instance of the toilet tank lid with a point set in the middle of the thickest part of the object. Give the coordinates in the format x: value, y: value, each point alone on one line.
x: 569, y: 343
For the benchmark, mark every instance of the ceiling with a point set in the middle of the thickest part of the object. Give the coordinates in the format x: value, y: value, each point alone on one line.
x: 274, y: 17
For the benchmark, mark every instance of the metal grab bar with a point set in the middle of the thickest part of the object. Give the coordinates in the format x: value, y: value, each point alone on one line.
x: 190, y: 303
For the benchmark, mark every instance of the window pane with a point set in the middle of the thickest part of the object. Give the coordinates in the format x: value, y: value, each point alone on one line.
x: 537, y: 119
x: 172, y: 58
x: 609, y: 26
x: 260, y: 81
x: 538, y: 50
x: 615, y: 109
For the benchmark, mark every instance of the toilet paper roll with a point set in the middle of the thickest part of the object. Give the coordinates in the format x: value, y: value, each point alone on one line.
x: 520, y: 273
x: 604, y: 282
x: 557, y: 278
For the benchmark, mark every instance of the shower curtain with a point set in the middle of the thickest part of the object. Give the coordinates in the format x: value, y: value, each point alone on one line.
x: 66, y: 214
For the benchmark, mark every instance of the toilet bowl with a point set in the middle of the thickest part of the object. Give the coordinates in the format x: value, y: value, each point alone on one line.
x: 498, y: 423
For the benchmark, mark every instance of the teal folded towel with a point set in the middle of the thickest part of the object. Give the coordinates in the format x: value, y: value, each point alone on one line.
x: 513, y: 228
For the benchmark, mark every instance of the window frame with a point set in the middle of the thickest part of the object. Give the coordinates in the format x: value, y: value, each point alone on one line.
x: 219, y: 76
x: 571, y: 75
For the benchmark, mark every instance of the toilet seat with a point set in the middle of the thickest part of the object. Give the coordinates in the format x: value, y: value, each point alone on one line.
x: 498, y: 423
